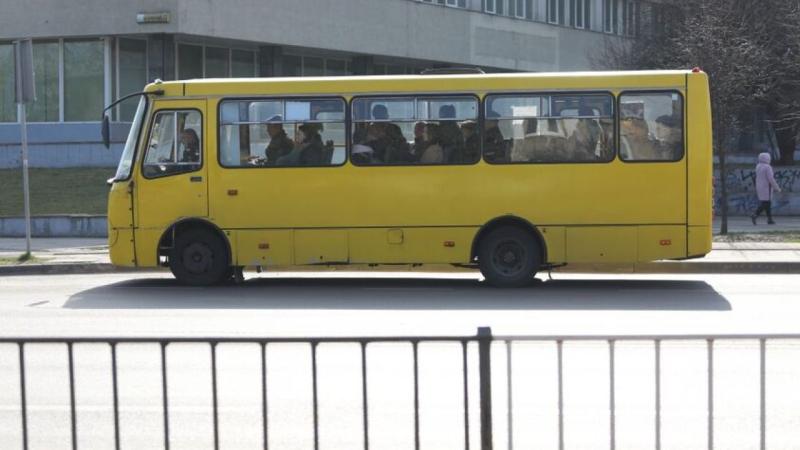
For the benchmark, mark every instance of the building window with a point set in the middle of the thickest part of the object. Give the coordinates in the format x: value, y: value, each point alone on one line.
x: 456, y: 3
x: 610, y: 16
x: 190, y: 61
x: 8, y: 112
x: 313, y: 66
x: 131, y: 74
x: 555, y: 11
x: 45, y: 65
x: 83, y: 80
x: 581, y: 17
x: 629, y: 16
x: 517, y: 8
x: 216, y: 62
x: 243, y: 63
x: 490, y: 6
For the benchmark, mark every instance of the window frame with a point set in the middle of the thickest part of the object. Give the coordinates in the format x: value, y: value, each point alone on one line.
x: 479, y: 121
x: 151, y: 121
x: 493, y: 9
x: 614, y: 118
x: 286, y: 99
x: 144, y: 127
x: 683, y: 125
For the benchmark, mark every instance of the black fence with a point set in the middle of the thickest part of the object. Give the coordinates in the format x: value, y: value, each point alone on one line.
x: 483, y: 341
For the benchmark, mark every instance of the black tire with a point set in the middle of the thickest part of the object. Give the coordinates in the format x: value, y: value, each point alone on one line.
x: 199, y: 258
x: 509, y: 257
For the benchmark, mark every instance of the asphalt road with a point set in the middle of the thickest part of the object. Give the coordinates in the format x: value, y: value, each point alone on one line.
x: 348, y: 304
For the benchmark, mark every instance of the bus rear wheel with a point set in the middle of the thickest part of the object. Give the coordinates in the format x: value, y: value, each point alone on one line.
x: 199, y: 258
x: 509, y: 256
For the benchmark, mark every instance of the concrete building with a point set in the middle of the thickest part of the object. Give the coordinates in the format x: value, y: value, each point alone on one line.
x: 87, y: 53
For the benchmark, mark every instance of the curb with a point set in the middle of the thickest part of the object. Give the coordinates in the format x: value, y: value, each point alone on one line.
x: 67, y: 269
x: 695, y: 267
x: 666, y: 267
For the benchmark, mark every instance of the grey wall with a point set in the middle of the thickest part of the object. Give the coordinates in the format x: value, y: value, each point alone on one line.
x: 58, y: 18
x: 57, y: 145
x: 399, y: 28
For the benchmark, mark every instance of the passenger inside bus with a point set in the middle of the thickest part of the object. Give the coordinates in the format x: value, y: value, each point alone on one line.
x: 308, y: 147
x: 668, y: 132
x: 434, y: 151
x: 191, y: 146
x: 386, y: 139
x: 279, y: 143
x: 450, y: 137
x: 472, y: 141
x: 494, y: 144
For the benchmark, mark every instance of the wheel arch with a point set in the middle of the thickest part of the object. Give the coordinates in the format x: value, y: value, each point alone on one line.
x: 167, y: 240
x: 509, y: 220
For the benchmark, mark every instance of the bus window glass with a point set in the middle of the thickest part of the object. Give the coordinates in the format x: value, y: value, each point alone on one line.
x: 651, y: 126
x: 282, y: 133
x: 559, y: 128
x: 174, y: 145
x: 415, y: 131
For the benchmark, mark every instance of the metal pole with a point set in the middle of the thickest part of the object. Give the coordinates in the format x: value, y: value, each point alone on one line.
x: 485, y: 379
x: 25, y: 185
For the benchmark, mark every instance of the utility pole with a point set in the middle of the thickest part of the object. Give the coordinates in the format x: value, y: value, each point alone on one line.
x: 25, y: 92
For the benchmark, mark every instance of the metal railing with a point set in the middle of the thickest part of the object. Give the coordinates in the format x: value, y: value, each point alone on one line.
x: 483, y: 340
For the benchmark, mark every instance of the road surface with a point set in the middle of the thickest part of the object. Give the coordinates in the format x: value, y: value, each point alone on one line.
x: 353, y: 304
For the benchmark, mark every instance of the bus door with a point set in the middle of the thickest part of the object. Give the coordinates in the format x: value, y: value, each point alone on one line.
x: 173, y: 176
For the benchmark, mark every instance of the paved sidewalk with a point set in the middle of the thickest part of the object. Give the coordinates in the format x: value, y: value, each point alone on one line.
x: 89, y: 255
x: 745, y: 225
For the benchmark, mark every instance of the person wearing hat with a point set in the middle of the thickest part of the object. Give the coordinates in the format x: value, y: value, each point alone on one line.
x: 279, y: 143
x: 472, y: 141
x: 308, y: 147
x: 494, y: 149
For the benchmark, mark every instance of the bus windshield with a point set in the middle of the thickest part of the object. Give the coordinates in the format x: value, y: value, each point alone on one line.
x: 126, y: 161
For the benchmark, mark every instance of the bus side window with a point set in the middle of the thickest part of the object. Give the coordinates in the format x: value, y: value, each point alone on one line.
x: 558, y: 128
x: 174, y: 144
x: 282, y: 133
x: 651, y: 126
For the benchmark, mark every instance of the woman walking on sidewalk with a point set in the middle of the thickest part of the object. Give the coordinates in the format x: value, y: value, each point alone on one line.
x: 765, y: 184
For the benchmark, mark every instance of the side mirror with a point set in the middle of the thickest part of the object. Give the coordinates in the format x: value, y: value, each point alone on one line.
x: 106, y: 131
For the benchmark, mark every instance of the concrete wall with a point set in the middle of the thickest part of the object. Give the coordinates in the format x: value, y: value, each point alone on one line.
x: 392, y: 28
x: 742, y: 198
x: 55, y: 226
x: 58, y: 145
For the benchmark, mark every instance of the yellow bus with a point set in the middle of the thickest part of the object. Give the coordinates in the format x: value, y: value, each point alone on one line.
x: 508, y: 173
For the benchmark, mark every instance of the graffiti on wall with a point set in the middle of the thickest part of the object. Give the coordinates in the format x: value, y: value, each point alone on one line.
x: 742, y: 199
x: 744, y: 179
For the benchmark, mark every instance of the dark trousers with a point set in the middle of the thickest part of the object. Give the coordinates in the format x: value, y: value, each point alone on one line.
x: 764, y: 206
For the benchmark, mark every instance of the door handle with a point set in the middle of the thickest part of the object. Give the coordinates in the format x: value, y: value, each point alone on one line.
x: 196, y: 179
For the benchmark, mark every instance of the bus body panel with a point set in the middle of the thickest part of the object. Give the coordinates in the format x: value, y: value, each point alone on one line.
x: 699, y: 142
x: 120, y: 225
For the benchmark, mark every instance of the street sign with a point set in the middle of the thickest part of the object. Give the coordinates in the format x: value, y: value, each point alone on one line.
x: 25, y: 92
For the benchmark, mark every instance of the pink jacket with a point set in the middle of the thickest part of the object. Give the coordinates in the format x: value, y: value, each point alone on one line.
x: 765, y: 178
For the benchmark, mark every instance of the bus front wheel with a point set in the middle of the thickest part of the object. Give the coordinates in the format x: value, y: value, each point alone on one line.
x: 509, y: 257
x: 199, y: 258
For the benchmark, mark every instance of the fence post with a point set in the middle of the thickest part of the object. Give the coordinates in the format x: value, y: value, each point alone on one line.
x: 485, y: 378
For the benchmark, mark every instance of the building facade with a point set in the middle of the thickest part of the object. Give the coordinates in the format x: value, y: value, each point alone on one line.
x: 87, y: 53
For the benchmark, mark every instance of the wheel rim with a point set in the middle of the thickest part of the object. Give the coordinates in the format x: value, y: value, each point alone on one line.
x: 509, y: 258
x: 198, y: 258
